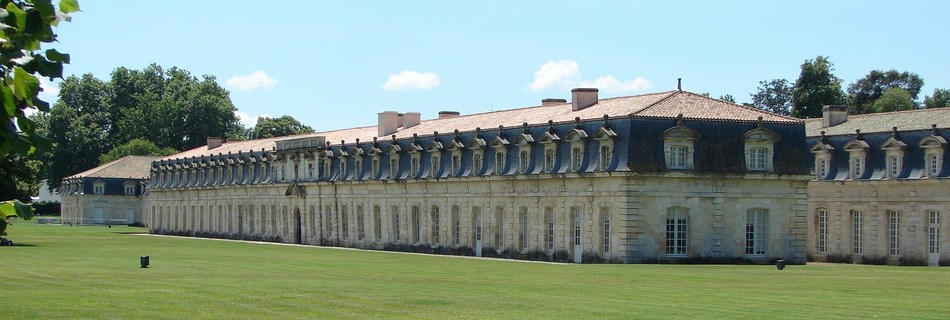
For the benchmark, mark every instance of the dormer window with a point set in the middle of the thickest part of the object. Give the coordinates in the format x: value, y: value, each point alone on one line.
x: 524, y: 156
x: 549, y: 156
x: 393, y: 152
x: 577, y: 138
x: 857, y: 158
x: 893, y: 156
x: 822, y: 151
x: 436, y: 165
x: 456, y: 162
x: 99, y: 187
x: 678, y: 144
x: 415, y: 155
x: 501, y: 152
x: 605, y: 138
x: 129, y: 188
x: 499, y: 162
x: 933, y: 147
x: 524, y: 141
x: 413, y: 166
x: 550, y: 142
x: 759, y: 149
x: 477, y: 159
x: 435, y: 160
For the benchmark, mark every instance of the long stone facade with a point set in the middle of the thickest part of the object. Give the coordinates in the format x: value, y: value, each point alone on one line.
x: 664, y: 177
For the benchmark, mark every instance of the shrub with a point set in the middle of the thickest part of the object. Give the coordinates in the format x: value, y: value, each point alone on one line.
x: 537, y: 255
x: 511, y: 253
x: 592, y: 257
x: 466, y: 251
x: 489, y: 252
x: 561, y: 256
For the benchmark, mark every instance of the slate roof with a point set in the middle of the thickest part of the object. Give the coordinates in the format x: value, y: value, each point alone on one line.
x: 128, y: 167
x: 667, y: 104
x: 908, y: 120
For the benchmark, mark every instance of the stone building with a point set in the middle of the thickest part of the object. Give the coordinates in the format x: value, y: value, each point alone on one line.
x: 880, y: 186
x: 108, y: 194
x: 668, y: 176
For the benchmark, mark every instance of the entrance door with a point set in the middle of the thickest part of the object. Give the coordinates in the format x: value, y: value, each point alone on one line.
x: 297, y: 233
x: 933, y: 255
x: 578, y: 250
x: 478, y: 231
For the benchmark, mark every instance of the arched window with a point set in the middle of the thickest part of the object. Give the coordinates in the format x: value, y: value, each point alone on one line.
x: 435, y: 158
x: 822, y: 151
x: 605, y: 139
x: 550, y: 141
x: 933, y: 147
x: 525, y: 142
x: 577, y: 139
x: 894, y: 156
x: 760, y: 149
x: 678, y: 147
x: 857, y: 158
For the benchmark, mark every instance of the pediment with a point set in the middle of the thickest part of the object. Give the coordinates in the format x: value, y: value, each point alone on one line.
x: 933, y: 142
x: 295, y: 190
x: 434, y: 146
x: 476, y: 143
x: 761, y: 135
x: 576, y: 135
x: 524, y: 139
x: 893, y: 144
x: 822, y: 148
x: 549, y: 137
x: 499, y: 142
x: 856, y: 145
x: 605, y: 133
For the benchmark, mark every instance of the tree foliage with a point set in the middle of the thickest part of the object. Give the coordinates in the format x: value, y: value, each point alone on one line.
x: 24, y: 27
x: 940, y: 99
x: 893, y: 99
x: 278, y: 127
x: 17, y: 177
x: 170, y: 108
x: 816, y: 87
x: 136, y: 147
x: 863, y: 94
x: 727, y: 97
x: 774, y: 96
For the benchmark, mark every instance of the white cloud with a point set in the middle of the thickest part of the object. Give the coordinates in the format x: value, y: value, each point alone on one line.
x: 559, y: 74
x: 255, y: 80
x: 409, y: 80
x: 247, y: 120
x: 610, y: 84
x: 565, y: 74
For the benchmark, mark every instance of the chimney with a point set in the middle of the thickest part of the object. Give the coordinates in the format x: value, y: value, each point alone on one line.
x: 552, y: 102
x: 410, y: 119
x: 679, y: 84
x: 388, y: 123
x: 448, y: 114
x: 214, y: 142
x: 833, y: 115
x: 582, y: 98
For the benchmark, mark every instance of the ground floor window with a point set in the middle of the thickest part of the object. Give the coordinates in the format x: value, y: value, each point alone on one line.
x: 394, y: 211
x: 894, y: 228
x: 934, y: 231
x: 523, y: 236
x: 857, y: 227
x: 605, y: 213
x: 676, y: 231
x: 822, y: 230
x: 756, y: 232
x: 549, y: 227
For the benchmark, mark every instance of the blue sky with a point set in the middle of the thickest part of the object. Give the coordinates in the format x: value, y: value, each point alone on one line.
x: 335, y: 64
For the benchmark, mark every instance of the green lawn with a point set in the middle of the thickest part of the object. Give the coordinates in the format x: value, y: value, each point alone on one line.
x: 60, y: 272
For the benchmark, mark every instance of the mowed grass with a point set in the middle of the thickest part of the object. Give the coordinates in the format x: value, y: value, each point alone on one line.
x: 59, y: 272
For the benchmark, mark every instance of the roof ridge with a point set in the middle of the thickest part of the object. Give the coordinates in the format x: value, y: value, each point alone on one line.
x: 671, y: 93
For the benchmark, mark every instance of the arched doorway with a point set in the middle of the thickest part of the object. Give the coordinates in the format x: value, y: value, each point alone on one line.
x: 298, y: 239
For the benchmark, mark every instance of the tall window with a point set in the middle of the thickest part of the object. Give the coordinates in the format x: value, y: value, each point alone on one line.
x: 894, y: 228
x: 933, y: 165
x: 857, y: 167
x: 523, y: 236
x: 549, y: 229
x: 358, y: 167
x: 327, y: 213
x: 393, y: 166
x: 857, y: 231
x: 499, y: 228
x: 577, y: 157
x: 499, y: 162
x: 436, y: 161
x: 342, y: 168
x: 756, y: 231
x: 394, y: 211
x: 456, y: 226
x: 676, y: 231
x: 934, y: 231
x: 344, y: 222
x: 821, y: 168
x: 374, y: 167
x: 548, y: 160
x: 416, y: 224
x: 360, y: 229
x: 822, y: 221
x: 477, y: 221
x: 377, y: 224
x: 893, y: 166
x: 326, y: 168
x: 605, y: 214
x: 413, y: 167
x: 436, y: 236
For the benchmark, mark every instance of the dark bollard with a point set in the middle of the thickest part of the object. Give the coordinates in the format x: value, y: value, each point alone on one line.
x: 780, y: 264
x: 144, y: 261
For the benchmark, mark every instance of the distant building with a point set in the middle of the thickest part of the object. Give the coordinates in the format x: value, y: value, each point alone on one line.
x: 880, y: 186
x: 108, y: 194
x: 669, y: 176
x: 45, y: 195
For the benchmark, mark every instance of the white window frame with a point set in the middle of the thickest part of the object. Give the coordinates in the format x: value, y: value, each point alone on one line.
x: 500, y: 160
x: 678, y: 146
x: 677, y: 231
x: 394, y: 216
x: 893, y: 158
x: 933, y: 155
x: 605, y: 241
x: 933, y: 231
x: 857, y: 232
x: 894, y: 232
x: 98, y: 187
x: 760, y: 149
x: 821, y: 231
x: 414, y: 166
x: 456, y: 162
x: 756, y: 232
x: 435, y: 165
x: 500, y: 228
x: 550, y: 156
x: 129, y: 188
x: 524, y: 158
x: 478, y: 159
x: 605, y: 154
x: 577, y: 156
x: 524, y: 229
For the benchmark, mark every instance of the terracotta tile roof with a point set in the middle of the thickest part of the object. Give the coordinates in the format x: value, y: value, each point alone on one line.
x: 667, y: 104
x: 128, y: 167
x: 908, y: 120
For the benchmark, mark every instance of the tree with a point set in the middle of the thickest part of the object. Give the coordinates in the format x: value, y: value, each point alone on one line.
x: 894, y: 99
x: 863, y: 93
x: 816, y: 87
x: 24, y: 26
x: 278, y: 127
x: 774, y: 96
x: 940, y: 99
x: 18, y: 177
x: 728, y: 98
x: 170, y: 108
x: 136, y: 147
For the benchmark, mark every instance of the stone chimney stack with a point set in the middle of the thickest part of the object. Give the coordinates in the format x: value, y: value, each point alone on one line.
x: 833, y: 115
x: 411, y: 119
x: 582, y: 98
x: 448, y: 114
x: 388, y: 123
x: 552, y: 102
x: 214, y: 142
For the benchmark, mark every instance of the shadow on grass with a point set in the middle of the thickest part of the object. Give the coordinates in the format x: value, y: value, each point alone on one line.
x: 130, y: 232
x: 17, y: 244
